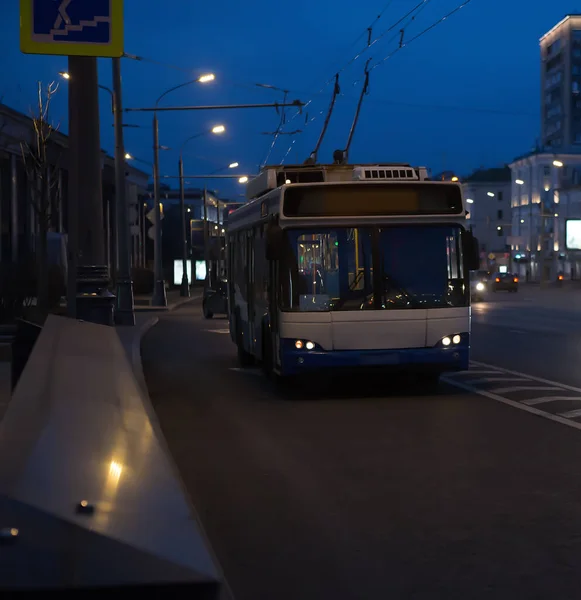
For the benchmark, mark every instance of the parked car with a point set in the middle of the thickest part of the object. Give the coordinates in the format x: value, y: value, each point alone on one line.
x: 507, y: 282
x: 215, y: 298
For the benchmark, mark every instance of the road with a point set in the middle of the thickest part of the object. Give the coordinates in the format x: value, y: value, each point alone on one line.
x: 537, y: 333
x: 366, y: 490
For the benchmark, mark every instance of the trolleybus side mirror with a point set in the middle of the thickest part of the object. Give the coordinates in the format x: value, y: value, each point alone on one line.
x: 274, y: 241
x: 470, y: 251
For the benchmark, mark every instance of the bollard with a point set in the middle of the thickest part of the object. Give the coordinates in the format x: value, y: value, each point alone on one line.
x: 26, y: 335
x: 95, y: 303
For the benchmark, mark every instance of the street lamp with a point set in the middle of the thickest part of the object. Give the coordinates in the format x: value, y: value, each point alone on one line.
x: 185, y: 287
x: 159, y: 298
x: 66, y: 76
x: 557, y: 163
x: 519, y: 182
x: 243, y: 179
x: 491, y: 194
x: 233, y: 165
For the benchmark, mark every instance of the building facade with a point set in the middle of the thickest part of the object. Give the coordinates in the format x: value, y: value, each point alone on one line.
x: 18, y: 221
x: 542, y: 200
x: 487, y: 193
x: 561, y: 85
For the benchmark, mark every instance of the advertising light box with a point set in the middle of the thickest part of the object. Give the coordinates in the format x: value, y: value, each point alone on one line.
x: 573, y: 234
x: 178, y: 271
x: 200, y: 271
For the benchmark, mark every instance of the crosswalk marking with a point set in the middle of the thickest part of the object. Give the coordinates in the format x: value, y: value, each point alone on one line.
x: 571, y: 414
x: 543, y: 399
x: 523, y: 388
x: 493, y: 379
x: 533, y: 389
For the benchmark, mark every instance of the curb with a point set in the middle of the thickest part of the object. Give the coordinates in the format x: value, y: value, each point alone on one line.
x: 136, y: 353
x: 169, y: 308
x: 225, y: 591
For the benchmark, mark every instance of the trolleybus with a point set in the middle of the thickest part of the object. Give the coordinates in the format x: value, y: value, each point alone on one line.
x: 339, y: 267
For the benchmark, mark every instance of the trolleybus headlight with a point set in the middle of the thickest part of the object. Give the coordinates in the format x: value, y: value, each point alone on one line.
x: 480, y: 286
x: 456, y: 339
x: 298, y: 345
x: 446, y: 341
x: 310, y: 345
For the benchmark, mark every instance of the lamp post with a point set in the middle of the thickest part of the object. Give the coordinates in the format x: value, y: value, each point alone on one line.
x: 185, y: 286
x: 120, y: 253
x: 120, y: 263
x: 159, y: 298
x: 124, y: 313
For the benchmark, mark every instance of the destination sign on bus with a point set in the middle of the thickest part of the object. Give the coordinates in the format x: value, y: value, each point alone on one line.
x: 372, y: 200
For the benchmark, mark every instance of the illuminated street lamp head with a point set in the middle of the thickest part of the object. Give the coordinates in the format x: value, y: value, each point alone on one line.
x: 218, y: 129
x: 519, y: 182
x: 243, y: 179
x: 128, y: 156
x: 557, y: 163
x: 64, y: 75
x: 454, y: 178
x: 233, y: 165
x: 206, y: 78
x: 491, y: 194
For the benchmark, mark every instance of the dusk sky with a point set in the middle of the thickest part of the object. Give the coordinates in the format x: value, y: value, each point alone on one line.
x: 463, y: 95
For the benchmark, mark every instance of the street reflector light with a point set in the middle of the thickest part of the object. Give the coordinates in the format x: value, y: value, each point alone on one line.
x: 64, y: 75
x: 218, y: 129
x: 128, y: 156
x: 233, y: 165
x: 243, y: 179
x: 557, y: 163
x: 519, y: 182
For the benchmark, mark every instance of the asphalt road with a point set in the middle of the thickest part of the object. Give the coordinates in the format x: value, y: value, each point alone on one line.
x: 516, y: 332
x: 369, y: 488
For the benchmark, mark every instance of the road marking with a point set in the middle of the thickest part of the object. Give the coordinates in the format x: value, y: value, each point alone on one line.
x: 217, y: 330
x: 491, y: 379
x: 571, y: 414
x: 532, y: 377
x: 535, y: 401
x: 513, y: 403
x: 476, y: 368
x: 475, y: 372
x: 524, y: 388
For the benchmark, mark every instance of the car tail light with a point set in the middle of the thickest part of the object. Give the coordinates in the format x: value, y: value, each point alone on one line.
x: 516, y: 279
x: 560, y: 278
x: 498, y: 280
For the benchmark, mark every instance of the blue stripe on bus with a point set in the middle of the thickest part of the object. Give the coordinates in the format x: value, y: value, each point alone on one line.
x: 440, y: 359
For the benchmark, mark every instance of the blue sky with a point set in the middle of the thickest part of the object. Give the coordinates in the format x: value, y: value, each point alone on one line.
x: 463, y: 95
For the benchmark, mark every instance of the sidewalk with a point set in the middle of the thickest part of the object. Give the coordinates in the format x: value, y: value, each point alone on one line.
x: 5, y: 386
x: 143, y: 303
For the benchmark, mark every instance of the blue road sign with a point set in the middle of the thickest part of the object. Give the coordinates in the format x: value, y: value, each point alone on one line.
x: 72, y: 27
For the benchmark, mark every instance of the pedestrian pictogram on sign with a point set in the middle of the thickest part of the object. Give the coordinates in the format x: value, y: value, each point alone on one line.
x: 72, y: 27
